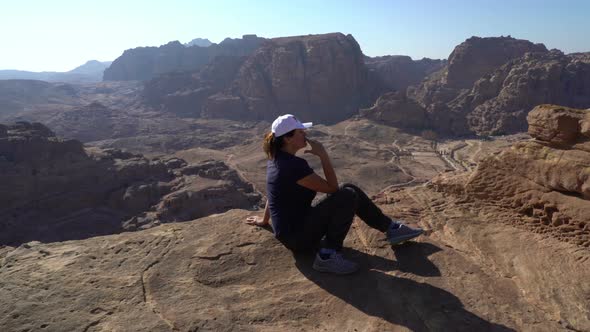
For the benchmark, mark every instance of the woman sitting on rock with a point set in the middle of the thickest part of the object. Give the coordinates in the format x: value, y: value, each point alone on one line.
x: 291, y: 188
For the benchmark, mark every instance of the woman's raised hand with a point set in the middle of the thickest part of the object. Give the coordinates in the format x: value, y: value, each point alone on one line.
x: 316, y: 148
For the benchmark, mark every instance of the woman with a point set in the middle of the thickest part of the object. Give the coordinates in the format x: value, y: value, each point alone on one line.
x: 291, y: 188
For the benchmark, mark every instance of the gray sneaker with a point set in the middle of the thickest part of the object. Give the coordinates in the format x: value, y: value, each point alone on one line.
x: 401, y: 233
x: 335, y: 264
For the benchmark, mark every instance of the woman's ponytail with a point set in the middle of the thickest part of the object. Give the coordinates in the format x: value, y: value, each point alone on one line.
x: 272, y: 144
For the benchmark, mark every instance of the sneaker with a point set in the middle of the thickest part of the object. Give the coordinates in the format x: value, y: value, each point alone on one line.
x: 335, y: 264
x: 401, y: 233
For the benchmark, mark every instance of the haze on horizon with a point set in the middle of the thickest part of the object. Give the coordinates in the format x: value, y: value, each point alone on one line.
x: 63, y: 34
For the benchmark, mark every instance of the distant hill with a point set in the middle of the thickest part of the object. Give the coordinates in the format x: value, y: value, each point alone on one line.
x: 91, y: 71
x: 144, y: 63
x: 199, y: 42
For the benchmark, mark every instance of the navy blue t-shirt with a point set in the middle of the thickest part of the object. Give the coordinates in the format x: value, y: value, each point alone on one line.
x: 289, y: 202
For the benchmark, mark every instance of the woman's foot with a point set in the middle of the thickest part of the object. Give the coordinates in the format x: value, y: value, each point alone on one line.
x: 399, y: 232
x: 335, y: 263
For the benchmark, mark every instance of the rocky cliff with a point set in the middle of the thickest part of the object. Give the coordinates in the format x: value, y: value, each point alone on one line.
x: 54, y: 190
x: 499, y: 102
x: 397, y: 72
x: 144, y: 63
x: 185, y: 93
x: 468, y: 62
x: 321, y: 78
x: 489, y: 86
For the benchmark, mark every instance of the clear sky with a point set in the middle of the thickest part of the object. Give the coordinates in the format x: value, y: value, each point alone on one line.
x: 58, y: 35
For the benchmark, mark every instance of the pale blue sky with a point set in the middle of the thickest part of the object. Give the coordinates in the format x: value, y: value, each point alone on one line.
x: 58, y: 35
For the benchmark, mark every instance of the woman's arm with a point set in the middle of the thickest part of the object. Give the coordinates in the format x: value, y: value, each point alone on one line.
x: 316, y: 182
x: 257, y: 221
x: 266, y: 216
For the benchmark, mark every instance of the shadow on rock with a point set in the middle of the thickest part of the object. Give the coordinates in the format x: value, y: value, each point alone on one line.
x: 400, y: 301
x: 411, y: 257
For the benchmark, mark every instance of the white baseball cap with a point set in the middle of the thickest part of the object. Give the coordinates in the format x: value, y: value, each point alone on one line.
x: 285, y: 123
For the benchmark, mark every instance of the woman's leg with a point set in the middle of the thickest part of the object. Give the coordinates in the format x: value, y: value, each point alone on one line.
x: 330, y: 218
x: 368, y: 211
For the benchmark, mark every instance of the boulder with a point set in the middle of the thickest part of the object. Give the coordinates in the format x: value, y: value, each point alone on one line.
x: 559, y: 126
x: 395, y: 109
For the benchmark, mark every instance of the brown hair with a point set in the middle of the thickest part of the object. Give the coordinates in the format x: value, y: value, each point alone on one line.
x: 271, y: 144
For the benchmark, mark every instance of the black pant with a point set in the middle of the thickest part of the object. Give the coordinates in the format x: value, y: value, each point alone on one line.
x: 330, y: 219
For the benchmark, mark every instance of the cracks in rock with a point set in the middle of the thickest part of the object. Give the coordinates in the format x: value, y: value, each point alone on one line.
x: 92, y: 324
x: 216, y: 257
x: 147, y: 299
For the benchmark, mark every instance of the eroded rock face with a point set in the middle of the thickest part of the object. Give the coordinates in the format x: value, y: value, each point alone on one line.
x: 500, y: 101
x: 468, y: 62
x: 477, y: 57
x: 320, y: 78
x: 546, y: 180
x: 397, y: 72
x: 54, y: 190
x: 185, y: 93
x: 144, y: 63
x: 443, y: 92
x: 491, y: 84
x: 206, y: 188
x: 395, y: 109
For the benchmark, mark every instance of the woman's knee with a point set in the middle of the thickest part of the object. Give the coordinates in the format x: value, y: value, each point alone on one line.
x: 347, y: 192
x: 352, y: 187
x: 346, y: 195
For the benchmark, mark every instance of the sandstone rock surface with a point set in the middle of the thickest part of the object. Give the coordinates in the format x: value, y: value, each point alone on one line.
x: 545, y: 181
x: 217, y: 273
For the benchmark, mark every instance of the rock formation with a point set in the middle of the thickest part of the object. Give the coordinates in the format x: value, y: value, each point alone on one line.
x: 321, y: 78
x: 523, y: 215
x: 144, y: 63
x: 54, y: 190
x: 202, y: 42
x: 468, y: 62
x: 489, y: 86
x: 395, y: 109
x: 499, y: 102
x: 545, y: 180
x: 185, y: 93
x: 397, y: 72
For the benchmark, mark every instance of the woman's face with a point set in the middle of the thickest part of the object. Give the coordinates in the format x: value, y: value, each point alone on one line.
x: 297, y: 141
